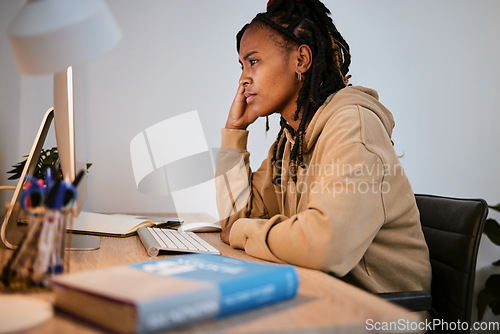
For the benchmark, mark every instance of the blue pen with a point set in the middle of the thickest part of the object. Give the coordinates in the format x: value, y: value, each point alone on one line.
x: 49, y: 201
x: 47, y: 241
x: 64, y: 196
x: 48, y: 177
x: 59, y: 197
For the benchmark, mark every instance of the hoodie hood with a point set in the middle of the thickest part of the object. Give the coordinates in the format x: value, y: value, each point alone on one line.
x: 352, y: 95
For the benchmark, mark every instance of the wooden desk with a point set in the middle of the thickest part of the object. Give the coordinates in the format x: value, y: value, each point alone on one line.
x: 324, y: 304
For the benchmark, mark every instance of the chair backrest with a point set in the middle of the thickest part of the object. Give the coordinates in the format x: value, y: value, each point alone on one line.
x: 452, y: 228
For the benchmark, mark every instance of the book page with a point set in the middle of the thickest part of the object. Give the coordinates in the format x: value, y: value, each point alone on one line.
x: 95, y: 223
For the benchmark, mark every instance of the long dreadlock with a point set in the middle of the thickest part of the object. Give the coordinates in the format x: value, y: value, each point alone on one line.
x: 306, y: 22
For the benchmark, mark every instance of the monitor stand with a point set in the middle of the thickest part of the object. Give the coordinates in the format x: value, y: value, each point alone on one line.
x: 78, y: 242
x: 12, y: 211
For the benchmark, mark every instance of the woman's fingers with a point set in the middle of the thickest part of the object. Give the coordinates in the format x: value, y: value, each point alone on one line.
x: 239, y: 114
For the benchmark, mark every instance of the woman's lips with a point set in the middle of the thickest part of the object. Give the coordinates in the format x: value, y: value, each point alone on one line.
x: 249, y: 96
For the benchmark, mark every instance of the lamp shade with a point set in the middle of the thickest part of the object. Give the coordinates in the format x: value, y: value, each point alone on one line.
x: 47, y: 36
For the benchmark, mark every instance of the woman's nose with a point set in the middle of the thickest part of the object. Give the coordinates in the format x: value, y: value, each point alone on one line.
x: 244, y: 80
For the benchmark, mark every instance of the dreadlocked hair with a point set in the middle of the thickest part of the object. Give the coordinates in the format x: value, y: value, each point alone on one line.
x: 306, y: 22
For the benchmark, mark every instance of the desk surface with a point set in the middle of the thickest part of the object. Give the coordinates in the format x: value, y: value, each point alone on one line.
x: 323, y: 303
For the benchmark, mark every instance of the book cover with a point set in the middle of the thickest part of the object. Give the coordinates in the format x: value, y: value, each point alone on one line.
x: 170, y: 292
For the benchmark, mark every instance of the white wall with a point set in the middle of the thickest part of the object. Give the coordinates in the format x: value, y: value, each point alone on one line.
x: 9, y: 101
x: 434, y: 64
x: 174, y: 57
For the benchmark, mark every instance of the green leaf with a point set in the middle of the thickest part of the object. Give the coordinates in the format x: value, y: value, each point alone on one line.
x: 48, y: 158
x: 489, y: 295
x: 493, y: 283
x: 483, y: 299
x: 495, y: 308
x: 492, y: 230
x: 496, y: 207
x: 17, y: 169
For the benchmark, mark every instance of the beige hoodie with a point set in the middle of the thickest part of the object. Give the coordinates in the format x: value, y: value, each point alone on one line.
x: 351, y: 213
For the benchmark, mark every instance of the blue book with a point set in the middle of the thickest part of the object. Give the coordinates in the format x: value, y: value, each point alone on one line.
x: 171, y: 292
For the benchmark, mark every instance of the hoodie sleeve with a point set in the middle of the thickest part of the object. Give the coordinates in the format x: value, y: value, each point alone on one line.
x: 241, y: 193
x: 339, y: 212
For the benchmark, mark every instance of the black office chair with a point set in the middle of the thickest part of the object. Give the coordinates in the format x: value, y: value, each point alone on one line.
x: 452, y: 228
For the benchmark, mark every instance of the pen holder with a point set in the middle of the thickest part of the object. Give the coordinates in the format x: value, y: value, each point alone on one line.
x: 41, y: 253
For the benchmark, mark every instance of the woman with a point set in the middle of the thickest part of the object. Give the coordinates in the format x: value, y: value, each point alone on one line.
x: 331, y: 194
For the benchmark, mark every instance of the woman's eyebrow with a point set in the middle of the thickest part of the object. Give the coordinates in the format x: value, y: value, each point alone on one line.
x: 251, y: 53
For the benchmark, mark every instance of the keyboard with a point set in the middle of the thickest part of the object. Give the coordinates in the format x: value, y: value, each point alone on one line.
x: 160, y: 239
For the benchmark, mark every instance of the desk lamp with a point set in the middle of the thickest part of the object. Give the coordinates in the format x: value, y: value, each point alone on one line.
x: 48, y: 36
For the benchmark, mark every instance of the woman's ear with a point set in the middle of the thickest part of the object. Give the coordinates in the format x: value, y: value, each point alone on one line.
x: 304, y: 58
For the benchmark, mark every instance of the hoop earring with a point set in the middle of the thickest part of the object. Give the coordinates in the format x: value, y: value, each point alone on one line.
x: 299, y: 75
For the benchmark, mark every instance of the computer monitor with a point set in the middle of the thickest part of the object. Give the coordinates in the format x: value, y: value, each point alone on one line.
x: 70, y: 131
x: 47, y: 37
x: 70, y: 135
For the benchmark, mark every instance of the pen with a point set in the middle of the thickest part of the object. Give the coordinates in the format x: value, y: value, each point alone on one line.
x: 78, y: 178
x: 52, y: 193
x: 70, y: 194
x: 49, y: 177
x: 45, y: 245
x: 41, y: 252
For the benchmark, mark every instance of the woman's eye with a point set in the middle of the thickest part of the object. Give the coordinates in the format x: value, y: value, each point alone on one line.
x: 251, y: 62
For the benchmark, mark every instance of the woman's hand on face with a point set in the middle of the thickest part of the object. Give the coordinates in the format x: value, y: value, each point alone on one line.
x: 240, y: 116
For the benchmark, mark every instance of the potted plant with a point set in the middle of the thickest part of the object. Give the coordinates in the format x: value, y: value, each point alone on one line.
x: 48, y: 158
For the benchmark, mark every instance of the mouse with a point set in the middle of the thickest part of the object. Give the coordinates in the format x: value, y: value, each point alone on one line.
x: 200, y: 227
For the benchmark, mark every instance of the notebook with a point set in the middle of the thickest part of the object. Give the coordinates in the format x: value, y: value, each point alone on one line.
x: 117, y: 225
